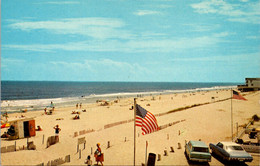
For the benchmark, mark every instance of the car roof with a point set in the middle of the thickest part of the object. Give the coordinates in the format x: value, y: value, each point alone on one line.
x: 198, y: 144
x: 230, y: 144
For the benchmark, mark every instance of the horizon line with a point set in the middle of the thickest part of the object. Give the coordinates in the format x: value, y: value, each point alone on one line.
x: 118, y: 81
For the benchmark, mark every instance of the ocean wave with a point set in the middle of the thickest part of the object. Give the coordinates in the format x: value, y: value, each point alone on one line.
x: 40, y: 104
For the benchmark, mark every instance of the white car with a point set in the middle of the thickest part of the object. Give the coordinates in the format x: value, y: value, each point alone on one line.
x: 230, y: 151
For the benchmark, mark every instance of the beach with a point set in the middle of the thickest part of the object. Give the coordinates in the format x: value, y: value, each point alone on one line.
x: 204, y: 115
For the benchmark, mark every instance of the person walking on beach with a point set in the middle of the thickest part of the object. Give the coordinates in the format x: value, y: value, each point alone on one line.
x: 77, y: 105
x: 57, y: 131
x: 98, y: 155
x: 88, y: 161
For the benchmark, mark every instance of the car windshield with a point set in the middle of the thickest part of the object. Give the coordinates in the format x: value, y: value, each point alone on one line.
x: 200, y: 149
x: 234, y: 148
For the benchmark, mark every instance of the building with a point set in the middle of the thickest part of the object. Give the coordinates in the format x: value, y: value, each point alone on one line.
x: 24, y: 127
x: 252, y: 84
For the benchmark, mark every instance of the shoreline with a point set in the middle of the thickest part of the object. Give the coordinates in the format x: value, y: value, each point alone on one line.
x: 16, y: 106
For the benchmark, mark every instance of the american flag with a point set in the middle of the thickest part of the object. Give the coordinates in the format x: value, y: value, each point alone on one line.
x: 146, y: 120
x: 238, y: 96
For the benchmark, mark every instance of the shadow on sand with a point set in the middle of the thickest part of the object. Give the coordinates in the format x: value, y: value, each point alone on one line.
x: 193, y: 163
x: 228, y: 163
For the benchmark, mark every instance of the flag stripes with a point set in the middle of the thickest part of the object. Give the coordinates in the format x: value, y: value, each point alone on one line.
x: 238, y: 96
x: 146, y: 120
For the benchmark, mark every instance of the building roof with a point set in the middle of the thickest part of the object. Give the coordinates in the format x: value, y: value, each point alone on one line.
x: 21, y: 119
x: 252, y: 78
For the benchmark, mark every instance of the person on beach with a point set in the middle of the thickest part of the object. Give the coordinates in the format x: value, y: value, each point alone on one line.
x: 77, y: 105
x: 57, y: 131
x: 88, y: 161
x: 80, y: 105
x: 38, y: 128
x: 45, y: 110
x: 98, y: 155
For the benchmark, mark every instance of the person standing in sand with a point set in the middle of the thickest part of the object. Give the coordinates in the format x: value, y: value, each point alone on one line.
x: 88, y: 161
x: 57, y: 131
x: 98, y: 155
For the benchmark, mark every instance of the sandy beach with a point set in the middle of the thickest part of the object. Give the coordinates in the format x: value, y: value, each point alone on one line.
x: 206, y: 117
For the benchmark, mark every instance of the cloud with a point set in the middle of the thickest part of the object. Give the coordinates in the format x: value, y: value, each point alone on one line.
x: 253, y: 58
x: 146, y: 44
x: 147, y: 12
x: 95, y: 27
x: 103, y: 66
x: 217, y: 6
x: 202, y: 27
x: 6, y: 62
x: 245, y: 13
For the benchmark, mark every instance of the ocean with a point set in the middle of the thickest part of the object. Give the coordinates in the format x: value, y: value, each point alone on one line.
x: 35, y: 95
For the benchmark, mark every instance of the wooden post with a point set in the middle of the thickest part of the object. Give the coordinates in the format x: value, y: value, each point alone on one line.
x: 27, y: 142
x: 237, y: 129
x: 80, y: 154
x: 165, y: 153
x: 14, y: 145
x: 43, y: 139
x: 172, y: 150
x: 179, y: 145
x: 159, y: 157
x: 108, y: 144
x: 91, y: 150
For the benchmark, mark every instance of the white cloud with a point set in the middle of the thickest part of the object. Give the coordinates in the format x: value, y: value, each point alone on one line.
x: 135, y: 45
x: 103, y: 65
x: 202, y: 27
x: 101, y: 28
x: 6, y: 62
x: 217, y: 6
x: 240, y: 59
x: 147, y: 12
x: 246, y: 13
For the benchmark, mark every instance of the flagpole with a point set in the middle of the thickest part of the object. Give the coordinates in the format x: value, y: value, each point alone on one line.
x: 146, y: 145
x: 134, y: 127
x: 231, y: 116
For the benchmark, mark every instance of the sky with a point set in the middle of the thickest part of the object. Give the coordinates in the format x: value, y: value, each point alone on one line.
x: 130, y: 40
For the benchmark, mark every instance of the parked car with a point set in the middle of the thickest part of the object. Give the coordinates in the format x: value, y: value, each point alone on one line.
x: 197, y: 151
x: 230, y: 151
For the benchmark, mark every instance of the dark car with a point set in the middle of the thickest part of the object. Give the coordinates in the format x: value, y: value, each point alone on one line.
x: 230, y: 151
